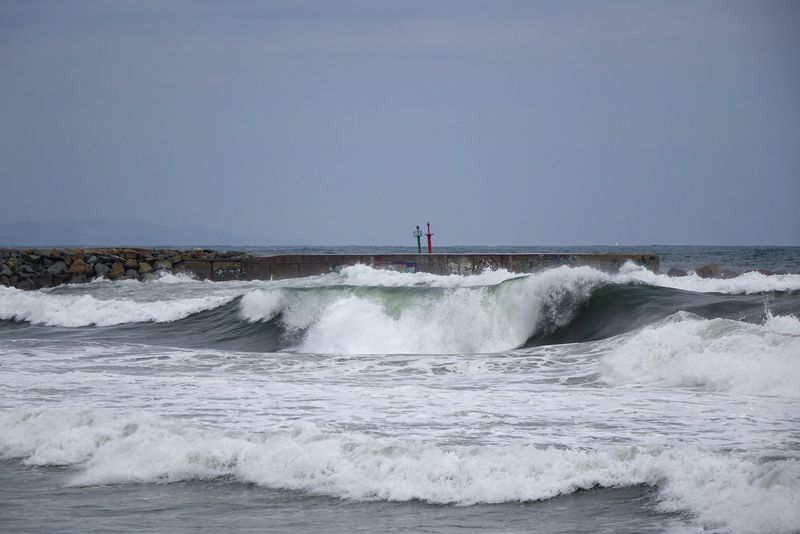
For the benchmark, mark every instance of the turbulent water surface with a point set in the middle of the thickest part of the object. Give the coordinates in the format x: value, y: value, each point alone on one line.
x: 563, y: 401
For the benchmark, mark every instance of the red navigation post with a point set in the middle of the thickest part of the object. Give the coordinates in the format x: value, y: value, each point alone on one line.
x: 429, y: 234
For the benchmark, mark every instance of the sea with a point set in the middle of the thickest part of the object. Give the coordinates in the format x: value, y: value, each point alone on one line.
x: 568, y: 400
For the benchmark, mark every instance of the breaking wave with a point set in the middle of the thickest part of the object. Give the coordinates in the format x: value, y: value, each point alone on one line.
x: 363, y: 310
x: 724, y: 489
x: 83, y: 310
x: 718, y: 354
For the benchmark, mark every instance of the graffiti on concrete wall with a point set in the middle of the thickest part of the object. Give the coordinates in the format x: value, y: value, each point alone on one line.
x: 486, y: 264
x: 227, y: 270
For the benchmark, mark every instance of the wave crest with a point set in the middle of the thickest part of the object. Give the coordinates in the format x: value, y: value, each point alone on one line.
x: 37, y: 307
x: 724, y: 489
x: 717, y: 354
x: 413, y: 320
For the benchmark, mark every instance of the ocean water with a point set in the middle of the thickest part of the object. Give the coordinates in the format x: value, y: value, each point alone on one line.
x: 569, y: 400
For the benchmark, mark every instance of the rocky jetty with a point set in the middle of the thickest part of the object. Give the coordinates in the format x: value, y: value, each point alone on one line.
x: 712, y: 270
x: 34, y: 269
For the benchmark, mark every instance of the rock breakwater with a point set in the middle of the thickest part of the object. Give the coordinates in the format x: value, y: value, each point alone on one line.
x: 35, y: 268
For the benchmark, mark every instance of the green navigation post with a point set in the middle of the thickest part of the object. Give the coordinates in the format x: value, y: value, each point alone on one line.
x: 418, y: 234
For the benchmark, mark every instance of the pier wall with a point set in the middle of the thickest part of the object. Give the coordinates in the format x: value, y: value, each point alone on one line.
x: 294, y: 266
x: 33, y: 269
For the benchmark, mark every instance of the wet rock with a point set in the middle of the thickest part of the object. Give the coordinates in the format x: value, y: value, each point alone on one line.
x: 80, y: 268
x: 58, y: 267
x: 145, y: 267
x: 78, y: 279
x: 148, y: 277
x: 116, y: 271
x: 5, y: 271
x: 712, y: 270
x: 101, y: 270
x: 25, y: 284
x: 163, y: 265
x: 676, y: 272
x: 58, y: 279
x: 131, y: 274
x: 91, y: 260
x: 42, y: 282
x: 131, y: 263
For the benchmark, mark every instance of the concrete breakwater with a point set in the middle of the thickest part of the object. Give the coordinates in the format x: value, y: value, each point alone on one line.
x: 34, y: 269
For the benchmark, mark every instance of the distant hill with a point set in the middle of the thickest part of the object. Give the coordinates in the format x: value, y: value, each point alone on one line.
x: 105, y: 232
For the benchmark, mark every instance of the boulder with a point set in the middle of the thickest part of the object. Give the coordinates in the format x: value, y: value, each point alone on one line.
x: 57, y: 279
x: 116, y: 271
x: 58, y: 267
x: 131, y: 263
x: 101, y: 270
x: 78, y: 279
x: 163, y: 265
x: 145, y: 267
x: 91, y: 259
x: 80, y: 267
x: 25, y: 284
x: 42, y: 282
x: 131, y: 274
x: 5, y: 271
x: 710, y: 270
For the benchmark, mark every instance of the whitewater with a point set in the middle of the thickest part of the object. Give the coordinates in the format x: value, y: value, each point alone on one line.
x: 560, y: 401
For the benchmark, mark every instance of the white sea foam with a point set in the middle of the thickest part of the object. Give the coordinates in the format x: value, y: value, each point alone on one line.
x: 747, y: 283
x: 83, y: 310
x: 467, y: 319
x: 718, y: 354
x: 262, y: 305
x: 727, y: 490
x: 363, y: 275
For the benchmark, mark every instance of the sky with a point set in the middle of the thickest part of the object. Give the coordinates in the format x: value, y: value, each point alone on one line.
x: 325, y: 123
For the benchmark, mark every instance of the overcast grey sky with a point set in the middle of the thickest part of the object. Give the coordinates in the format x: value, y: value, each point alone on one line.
x: 526, y: 123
